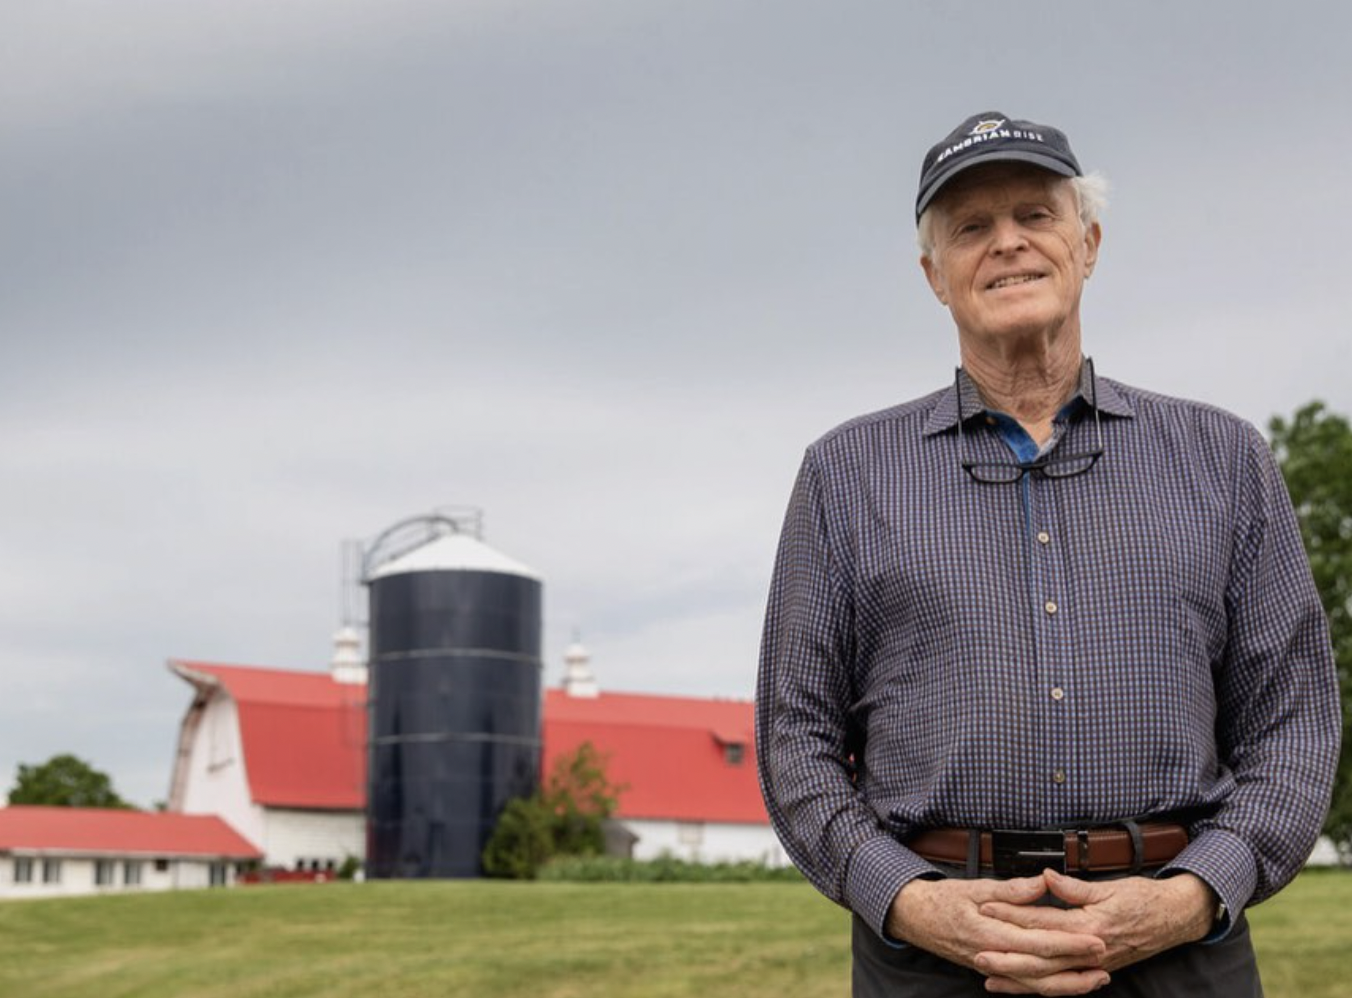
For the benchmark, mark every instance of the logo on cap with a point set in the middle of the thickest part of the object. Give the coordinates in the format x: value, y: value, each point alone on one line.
x: 989, y: 125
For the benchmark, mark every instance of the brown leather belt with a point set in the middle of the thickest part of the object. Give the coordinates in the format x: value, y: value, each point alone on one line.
x: 1020, y: 853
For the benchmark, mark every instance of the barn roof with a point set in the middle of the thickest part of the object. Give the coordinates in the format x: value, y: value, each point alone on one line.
x: 304, y: 734
x: 679, y: 758
x: 94, y: 831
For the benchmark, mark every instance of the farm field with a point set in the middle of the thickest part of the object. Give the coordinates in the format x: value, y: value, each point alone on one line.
x: 545, y: 940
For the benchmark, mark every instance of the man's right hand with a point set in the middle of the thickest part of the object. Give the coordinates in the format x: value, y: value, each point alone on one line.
x: 944, y: 918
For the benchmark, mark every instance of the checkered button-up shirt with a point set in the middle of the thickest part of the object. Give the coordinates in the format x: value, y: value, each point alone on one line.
x: 1140, y: 641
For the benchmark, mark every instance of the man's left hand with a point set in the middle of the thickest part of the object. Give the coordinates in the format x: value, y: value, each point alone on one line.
x: 1136, y: 917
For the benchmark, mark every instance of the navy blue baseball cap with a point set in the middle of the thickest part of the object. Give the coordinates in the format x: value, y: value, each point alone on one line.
x: 991, y: 137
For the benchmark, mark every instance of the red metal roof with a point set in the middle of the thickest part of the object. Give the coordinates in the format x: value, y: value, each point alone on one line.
x: 672, y: 753
x: 304, y: 734
x: 85, y: 830
x: 305, y: 744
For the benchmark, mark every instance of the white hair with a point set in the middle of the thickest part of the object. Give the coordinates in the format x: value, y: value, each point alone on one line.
x: 1091, y: 197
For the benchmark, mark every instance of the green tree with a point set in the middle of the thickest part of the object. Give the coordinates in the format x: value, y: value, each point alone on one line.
x: 64, y: 781
x: 564, y: 817
x: 522, y: 841
x: 1314, y: 449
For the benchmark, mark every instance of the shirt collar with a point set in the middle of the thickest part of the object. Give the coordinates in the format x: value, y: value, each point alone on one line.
x: 945, y: 414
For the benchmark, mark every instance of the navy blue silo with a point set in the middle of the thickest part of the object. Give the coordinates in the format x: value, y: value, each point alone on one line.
x: 454, y: 699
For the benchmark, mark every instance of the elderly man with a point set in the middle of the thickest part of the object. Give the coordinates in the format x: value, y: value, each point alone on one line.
x: 1046, y: 695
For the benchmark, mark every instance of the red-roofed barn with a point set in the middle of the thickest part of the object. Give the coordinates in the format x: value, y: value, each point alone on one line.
x: 281, y: 755
x: 452, y: 726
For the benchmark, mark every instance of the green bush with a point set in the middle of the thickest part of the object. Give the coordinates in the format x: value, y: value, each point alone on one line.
x: 562, y: 818
x: 665, y: 869
x: 522, y: 840
x: 347, y: 870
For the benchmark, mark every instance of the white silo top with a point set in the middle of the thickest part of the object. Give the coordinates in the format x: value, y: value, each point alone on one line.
x: 454, y: 553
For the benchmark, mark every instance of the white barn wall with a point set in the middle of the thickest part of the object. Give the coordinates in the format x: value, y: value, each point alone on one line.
x: 77, y: 875
x: 706, y: 841
x: 188, y: 874
x: 217, y: 782
x: 291, y: 835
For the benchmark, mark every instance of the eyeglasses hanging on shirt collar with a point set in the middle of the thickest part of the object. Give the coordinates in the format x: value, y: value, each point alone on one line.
x: 1046, y: 466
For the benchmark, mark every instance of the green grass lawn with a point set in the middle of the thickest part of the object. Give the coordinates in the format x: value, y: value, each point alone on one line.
x: 472, y: 938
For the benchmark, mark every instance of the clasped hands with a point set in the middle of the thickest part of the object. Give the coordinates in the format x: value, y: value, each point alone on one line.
x: 997, y: 927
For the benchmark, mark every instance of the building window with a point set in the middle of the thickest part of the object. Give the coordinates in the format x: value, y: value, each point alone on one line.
x: 105, y: 873
x: 131, y: 873
x: 217, y: 874
x: 690, y: 833
x: 23, y: 869
x: 734, y: 753
x: 51, y: 871
x: 161, y: 866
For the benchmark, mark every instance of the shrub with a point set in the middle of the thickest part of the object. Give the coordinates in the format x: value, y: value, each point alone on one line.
x: 347, y: 870
x: 562, y: 818
x: 664, y: 869
x: 522, y: 840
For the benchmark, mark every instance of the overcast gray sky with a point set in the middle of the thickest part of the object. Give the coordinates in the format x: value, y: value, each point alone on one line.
x: 275, y: 274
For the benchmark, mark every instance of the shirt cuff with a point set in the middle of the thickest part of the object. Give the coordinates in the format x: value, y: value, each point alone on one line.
x: 1226, y: 864
x: 879, y: 868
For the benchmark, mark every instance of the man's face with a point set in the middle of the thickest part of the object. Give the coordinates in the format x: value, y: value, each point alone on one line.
x: 1010, y: 253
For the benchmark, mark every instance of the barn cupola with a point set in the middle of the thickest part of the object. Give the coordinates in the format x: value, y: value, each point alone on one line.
x: 578, y: 678
x: 347, y: 665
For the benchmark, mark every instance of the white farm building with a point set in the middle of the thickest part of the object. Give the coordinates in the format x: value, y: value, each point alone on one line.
x: 55, y: 851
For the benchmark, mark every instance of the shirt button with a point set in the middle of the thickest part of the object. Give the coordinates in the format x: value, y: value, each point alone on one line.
x: 1059, y: 776
x: 1049, y: 606
x: 1043, y: 537
x: 1058, y: 693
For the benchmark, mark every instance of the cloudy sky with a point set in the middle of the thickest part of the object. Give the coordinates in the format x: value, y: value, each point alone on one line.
x: 277, y: 274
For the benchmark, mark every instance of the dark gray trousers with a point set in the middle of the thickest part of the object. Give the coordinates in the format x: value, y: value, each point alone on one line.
x: 1224, y: 969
